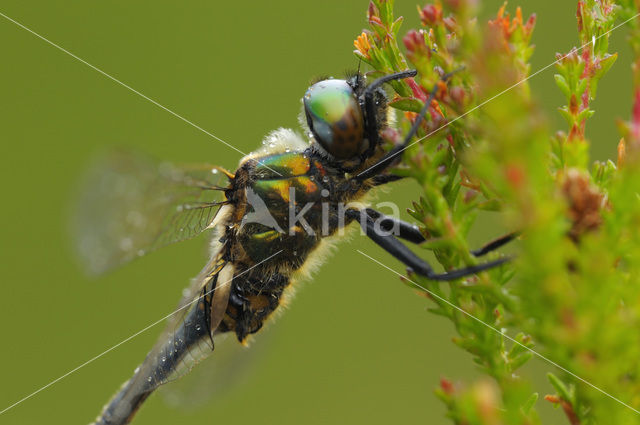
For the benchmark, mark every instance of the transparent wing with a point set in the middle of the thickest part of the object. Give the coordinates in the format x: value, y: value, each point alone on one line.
x: 218, y: 375
x: 130, y: 204
x: 187, y: 338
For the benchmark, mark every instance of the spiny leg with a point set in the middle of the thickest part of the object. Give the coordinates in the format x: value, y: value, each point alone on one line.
x: 495, y: 244
x: 381, y: 179
x: 411, y: 233
x: 400, y: 251
x: 400, y: 228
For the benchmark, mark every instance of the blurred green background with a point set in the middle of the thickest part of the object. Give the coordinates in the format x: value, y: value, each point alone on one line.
x: 355, y: 345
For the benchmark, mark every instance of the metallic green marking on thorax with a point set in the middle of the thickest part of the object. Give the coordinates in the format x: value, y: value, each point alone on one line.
x: 290, y: 164
x: 305, y: 190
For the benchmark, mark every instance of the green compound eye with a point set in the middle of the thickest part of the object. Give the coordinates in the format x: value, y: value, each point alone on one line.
x: 335, y: 117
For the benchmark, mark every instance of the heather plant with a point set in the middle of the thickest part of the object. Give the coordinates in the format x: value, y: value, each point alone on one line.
x: 572, y: 293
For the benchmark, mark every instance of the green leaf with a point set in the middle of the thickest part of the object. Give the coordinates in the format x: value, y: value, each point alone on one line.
x: 436, y: 243
x: 562, y: 84
x: 407, y: 104
x: 582, y: 86
x: 524, y: 343
x: 560, y: 387
x: 604, y: 66
x: 395, y: 27
x: 529, y: 404
x: 386, y: 11
x: 585, y: 115
x: 490, y: 205
x: 564, y: 111
x: 520, y: 360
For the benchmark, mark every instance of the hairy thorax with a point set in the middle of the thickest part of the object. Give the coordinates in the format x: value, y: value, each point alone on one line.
x: 287, y: 203
x: 282, y: 208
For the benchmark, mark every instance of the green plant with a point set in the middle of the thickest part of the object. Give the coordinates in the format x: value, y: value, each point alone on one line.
x: 573, y: 294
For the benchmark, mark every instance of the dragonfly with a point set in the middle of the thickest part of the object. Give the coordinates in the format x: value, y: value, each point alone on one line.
x: 269, y: 220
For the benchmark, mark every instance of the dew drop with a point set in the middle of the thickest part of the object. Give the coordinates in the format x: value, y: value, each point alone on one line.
x: 126, y: 244
x: 214, y: 171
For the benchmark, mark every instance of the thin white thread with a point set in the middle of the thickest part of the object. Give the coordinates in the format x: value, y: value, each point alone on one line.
x: 592, y: 42
x: 175, y: 114
x: 501, y: 333
x: 131, y: 337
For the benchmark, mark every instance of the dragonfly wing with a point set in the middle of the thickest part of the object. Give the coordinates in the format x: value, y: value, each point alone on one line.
x: 209, y: 294
x: 130, y: 204
x: 217, y: 375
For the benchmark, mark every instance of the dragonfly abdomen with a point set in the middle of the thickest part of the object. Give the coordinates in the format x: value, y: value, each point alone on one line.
x: 253, y: 298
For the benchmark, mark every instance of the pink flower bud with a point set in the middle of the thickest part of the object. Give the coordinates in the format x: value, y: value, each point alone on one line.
x: 458, y: 95
x: 431, y: 14
x: 414, y: 41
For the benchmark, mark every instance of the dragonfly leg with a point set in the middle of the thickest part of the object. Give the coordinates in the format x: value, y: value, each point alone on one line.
x: 400, y: 228
x: 495, y: 244
x: 371, y: 107
x: 400, y: 251
x: 237, y: 298
x: 381, y: 179
x: 411, y: 232
x: 394, y: 154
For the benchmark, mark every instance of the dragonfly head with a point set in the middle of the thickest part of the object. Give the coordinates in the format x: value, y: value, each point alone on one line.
x: 335, y: 117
